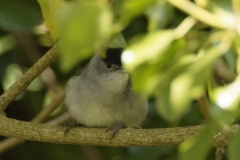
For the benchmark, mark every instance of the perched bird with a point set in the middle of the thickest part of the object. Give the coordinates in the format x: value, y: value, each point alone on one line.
x: 101, y: 96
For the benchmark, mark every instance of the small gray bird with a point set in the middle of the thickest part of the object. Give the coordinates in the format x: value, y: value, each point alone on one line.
x: 101, y: 96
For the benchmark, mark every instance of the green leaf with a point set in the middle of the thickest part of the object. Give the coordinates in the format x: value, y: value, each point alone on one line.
x: 226, y: 99
x: 222, y: 8
x: 16, y: 16
x: 6, y: 43
x: 131, y: 9
x: 186, y: 87
x: 136, y: 7
x: 233, y: 147
x: 85, y: 29
x: 118, y: 42
x: 149, y: 49
x: 148, y: 75
x: 50, y: 11
x: 12, y: 73
x: 198, y: 147
x: 188, y: 83
x: 159, y: 14
x: 164, y: 103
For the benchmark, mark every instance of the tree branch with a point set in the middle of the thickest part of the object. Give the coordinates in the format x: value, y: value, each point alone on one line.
x: 95, y: 136
x: 43, y: 114
x: 10, y: 143
x: 19, y: 86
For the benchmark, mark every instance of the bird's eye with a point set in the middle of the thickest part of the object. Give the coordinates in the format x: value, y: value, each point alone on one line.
x: 108, y: 65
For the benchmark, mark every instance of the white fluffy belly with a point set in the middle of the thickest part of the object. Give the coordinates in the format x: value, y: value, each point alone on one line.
x: 97, y: 116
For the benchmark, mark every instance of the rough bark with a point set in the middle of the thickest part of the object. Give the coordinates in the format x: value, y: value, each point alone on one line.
x: 95, y: 136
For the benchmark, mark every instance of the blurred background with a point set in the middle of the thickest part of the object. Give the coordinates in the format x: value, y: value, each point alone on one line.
x: 24, y: 38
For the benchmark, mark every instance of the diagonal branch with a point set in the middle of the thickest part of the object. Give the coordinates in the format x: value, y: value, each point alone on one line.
x: 201, y: 14
x: 95, y: 136
x: 19, y: 86
x: 9, y: 143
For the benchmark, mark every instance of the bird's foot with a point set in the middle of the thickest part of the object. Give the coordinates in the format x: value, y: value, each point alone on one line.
x: 114, y: 129
x: 70, y: 126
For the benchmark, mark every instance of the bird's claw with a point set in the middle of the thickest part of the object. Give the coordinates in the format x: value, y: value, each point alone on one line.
x: 70, y: 126
x: 114, y: 129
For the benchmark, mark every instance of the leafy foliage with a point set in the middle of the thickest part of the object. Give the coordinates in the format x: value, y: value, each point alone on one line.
x: 185, y: 51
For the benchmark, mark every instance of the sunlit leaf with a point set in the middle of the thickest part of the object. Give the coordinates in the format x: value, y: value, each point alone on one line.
x: 163, y: 101
x: 226, y: 100
x: 183, y: 84
x: 50, y: 11
x: 6, y: 43
x: 45, y: 40
x: 198, y: 147
x: 149, y: 49
x: 221, y: 6
x: 223, y: 9
x: 85, y: 29
x: 186, y: 87
x: 11, y: 75
x: 36, y: 85
x: 228, y: 97
x: 150, y: 73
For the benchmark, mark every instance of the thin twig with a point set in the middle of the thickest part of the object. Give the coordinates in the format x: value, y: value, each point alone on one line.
x: 33, y: 52
x: 184, y: 27
x: 20, y: 85
x: 41, y: 116
x: 222, y: 70
x: 219, y: 153
x: 10, y: 143
x: 59, y: 120
x: 200, y: 14
x: 204, y: 106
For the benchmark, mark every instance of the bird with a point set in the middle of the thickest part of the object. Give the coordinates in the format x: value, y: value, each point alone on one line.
x: 101, y: 96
